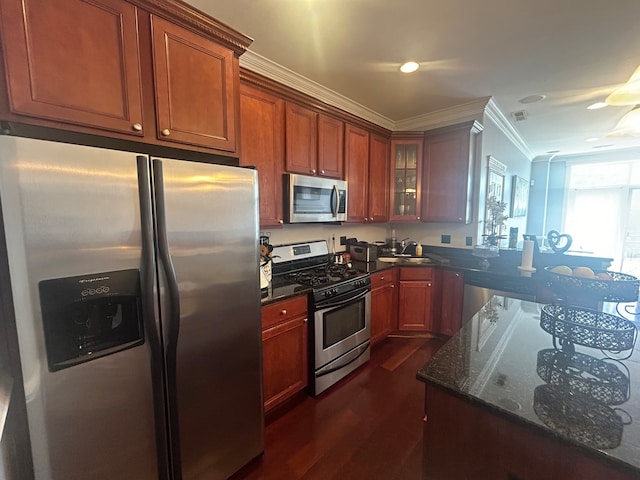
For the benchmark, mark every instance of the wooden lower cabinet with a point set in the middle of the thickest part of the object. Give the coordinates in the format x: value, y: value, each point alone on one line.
x: 383, y: 304
x: 451, y: 292
x: 415, y: 298
x: 284, y: 350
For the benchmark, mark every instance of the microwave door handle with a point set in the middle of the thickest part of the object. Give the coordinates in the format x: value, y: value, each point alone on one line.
x: 336, y: 203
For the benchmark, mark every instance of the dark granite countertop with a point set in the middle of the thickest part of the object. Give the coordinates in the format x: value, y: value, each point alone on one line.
x: 503, y: 360
x: 282, y: 291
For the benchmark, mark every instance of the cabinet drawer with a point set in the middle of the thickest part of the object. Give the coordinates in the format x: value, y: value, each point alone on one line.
x: 416, y: 273
x: 380, y: 279
x: 283, y: 311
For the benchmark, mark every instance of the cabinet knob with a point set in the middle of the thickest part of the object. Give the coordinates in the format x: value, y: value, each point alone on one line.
x: 283, y: 312
x: 137, y: 127
x: 428, y: 284
x: 166, y: 132
x: 393, y: 285
x: 322, y: 172
x: 459, y: 219
x: 382, y: 277
x: 280, y: 221
x: 306, y: 320
x: 418, y: 218
x: 313, y: 170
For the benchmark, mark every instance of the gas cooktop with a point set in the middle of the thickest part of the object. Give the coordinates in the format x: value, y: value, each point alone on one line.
x: 309, y: 264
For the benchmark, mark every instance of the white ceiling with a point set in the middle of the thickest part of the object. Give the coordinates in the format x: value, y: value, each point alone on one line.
x: 573, y: 51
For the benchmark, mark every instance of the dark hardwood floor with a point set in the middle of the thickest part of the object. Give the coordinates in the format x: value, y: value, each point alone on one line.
x: 369, y: 426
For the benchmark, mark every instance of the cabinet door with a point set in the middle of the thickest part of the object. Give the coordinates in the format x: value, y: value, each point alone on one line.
x: 330, y: 147
x: 262, y: 146
x: 301, y: 130
x: 357, y: 167
x: 452, y: 288
x: 414, y: 305
x: 406, y: 174
x: 379, y: 179
x: 447, y: 189
x: 383, y: 308
x: 284, y: 350
x: 196, y: 95
x: 74, y: 61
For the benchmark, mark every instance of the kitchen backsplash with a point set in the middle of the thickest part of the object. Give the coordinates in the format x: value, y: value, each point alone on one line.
x: 426, y: 234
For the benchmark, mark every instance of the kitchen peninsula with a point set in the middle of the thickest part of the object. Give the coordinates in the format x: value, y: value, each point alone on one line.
x: 501, y: 397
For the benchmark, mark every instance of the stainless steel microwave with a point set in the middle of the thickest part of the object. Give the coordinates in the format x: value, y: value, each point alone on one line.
x: 314, y: 199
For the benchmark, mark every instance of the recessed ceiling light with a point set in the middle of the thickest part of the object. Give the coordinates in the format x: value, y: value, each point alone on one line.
x: 409, y: 67
x: 596, y: 106
x: 592, y: 139
x: 532, y: 98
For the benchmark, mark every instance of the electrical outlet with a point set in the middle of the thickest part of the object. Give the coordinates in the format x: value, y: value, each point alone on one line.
x: 468, y: 241
x: 343, y: 240
x: 445, y: 238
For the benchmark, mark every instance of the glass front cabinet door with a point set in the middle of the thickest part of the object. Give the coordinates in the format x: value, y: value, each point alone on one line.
x: 406, y: 173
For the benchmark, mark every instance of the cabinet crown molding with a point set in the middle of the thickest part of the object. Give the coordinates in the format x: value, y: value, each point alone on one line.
x: 190, y: 17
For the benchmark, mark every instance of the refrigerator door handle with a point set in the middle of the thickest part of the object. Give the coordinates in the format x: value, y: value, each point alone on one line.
x: 148, y: 308
x: 171, y: 320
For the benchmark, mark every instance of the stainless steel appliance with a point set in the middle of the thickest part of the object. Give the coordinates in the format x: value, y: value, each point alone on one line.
x: 340, y: 302
x: 314, y: 199
x: 135, y: 288
x: 363, y: 251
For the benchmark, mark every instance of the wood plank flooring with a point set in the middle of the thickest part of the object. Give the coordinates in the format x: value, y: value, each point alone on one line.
x: 369, y: 426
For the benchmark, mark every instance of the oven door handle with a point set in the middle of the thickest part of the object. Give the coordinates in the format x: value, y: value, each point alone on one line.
x: 330, y: 304
x: 343, y: 361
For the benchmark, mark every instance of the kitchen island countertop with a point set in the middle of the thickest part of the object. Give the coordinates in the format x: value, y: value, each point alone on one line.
x: 503, y: 362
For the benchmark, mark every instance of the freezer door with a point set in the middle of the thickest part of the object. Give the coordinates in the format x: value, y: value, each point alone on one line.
x: 73, y: 213
x: 210, y: 305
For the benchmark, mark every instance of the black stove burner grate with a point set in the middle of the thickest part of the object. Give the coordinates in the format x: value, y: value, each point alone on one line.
x: 324, y: 275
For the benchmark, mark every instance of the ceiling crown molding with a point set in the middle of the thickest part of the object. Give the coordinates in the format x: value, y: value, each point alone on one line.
x: 259, y: 64
x: 474, y: 110
x: 494, y: 113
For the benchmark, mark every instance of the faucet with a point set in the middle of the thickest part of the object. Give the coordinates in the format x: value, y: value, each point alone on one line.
x: 404, y: 244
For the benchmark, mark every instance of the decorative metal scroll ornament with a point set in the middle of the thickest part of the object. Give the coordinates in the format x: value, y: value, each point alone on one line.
x: 559, y: 242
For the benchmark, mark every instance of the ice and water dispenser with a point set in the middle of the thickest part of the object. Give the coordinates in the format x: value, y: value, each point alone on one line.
x: 90, y: 316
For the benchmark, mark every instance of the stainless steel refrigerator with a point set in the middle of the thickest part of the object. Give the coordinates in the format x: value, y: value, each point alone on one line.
x: 136, y: 295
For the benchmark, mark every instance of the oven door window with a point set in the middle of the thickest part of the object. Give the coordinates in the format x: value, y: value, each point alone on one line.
x: 342, y: 323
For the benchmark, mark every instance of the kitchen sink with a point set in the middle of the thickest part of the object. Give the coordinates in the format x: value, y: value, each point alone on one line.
x: 405, y: 259
x: 418, y: 260
x: 392, y: 259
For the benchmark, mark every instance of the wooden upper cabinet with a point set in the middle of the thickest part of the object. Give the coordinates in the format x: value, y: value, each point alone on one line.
x: 301, y: 131
x: 156, y: 72
x: 357, y: 169
x: 378, y: 178
x: 447, y: 186
x: 406, y: 175
x: 262, y: 146
x: 74, y: 61
x: 330, y: 147
x: 195, y: 89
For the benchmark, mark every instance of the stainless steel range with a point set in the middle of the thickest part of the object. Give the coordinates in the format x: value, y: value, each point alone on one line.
x: 340, y: 303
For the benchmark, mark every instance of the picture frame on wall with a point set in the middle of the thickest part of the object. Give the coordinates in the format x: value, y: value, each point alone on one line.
x: 519, y: 196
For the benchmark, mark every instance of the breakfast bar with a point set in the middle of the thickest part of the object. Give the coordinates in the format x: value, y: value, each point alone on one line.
x: 506, y: 397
